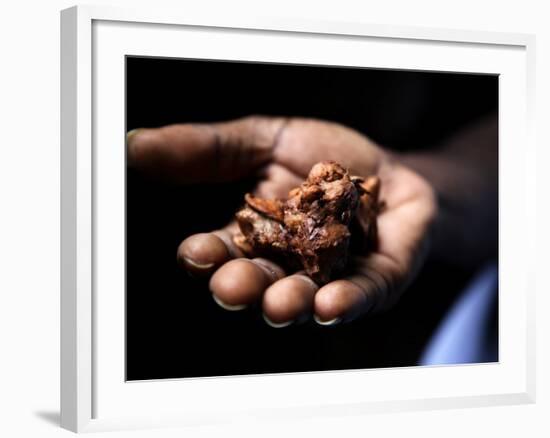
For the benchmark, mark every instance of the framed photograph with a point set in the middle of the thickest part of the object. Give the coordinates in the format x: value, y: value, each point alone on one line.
x: 267, y: 218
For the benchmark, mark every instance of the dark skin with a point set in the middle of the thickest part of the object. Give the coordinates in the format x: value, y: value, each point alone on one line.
x: 428, y: 205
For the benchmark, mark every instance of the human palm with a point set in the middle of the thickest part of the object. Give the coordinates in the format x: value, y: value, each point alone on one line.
x: 280, y: 152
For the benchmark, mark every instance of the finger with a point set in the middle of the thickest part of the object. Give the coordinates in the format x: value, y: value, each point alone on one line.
x: 201, y: 254
x: 289, y: 300
x: 241, y: 282
x: 192, y: 153
x: 375, y: 286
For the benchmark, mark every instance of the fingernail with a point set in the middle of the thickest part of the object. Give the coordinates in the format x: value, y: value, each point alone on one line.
x: 131, y: 134
x: 230, y: 307
x: 276, y: 324
x: 196, y: 265
x: 326, y: 323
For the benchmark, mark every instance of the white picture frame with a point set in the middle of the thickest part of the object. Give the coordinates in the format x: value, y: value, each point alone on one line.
x: 93, y: 395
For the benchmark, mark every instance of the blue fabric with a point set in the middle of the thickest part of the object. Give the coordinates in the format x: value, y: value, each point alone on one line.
x: 462, y: 336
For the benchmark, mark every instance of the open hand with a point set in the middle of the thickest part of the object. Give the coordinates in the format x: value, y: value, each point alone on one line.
x: 280, y: 152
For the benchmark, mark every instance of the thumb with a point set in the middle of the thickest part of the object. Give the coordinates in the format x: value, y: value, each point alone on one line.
x: 192, y: 153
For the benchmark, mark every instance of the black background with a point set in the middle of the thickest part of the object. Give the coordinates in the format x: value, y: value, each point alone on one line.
x: 173, y: 327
